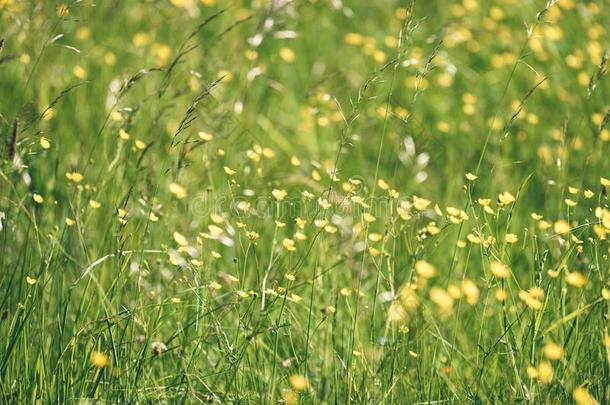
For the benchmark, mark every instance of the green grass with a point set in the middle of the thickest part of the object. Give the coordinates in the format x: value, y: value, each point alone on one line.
x: 267, y: 202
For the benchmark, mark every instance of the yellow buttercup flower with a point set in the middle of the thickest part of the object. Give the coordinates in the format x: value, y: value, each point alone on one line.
x: 298, y: 382
x: 99, y: 359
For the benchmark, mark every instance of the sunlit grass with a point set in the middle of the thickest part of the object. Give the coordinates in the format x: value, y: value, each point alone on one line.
x: 304, y: 201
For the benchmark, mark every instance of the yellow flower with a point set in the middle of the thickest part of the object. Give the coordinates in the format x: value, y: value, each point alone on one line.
x: 291, y: 397
x: 561, y: 227
x: 570, y: 203
x: 552, y: 351
x: 298, y: 382
x: 177, y: 190
x: 383, y: 184
x: 425, y: 269
x: 420, y: 204
x: 229, y: 171
x: 79, y: 72
x: 442, y: 299
x: 500, y: 295
x: 353, y: 38
x: 530, y: 300
x: 576, y: 279
x: 323, y: 203
x: 544, y: 225
x: 368, y: 217
x: 471, y: 176
x: 109, y: 58
x: 287, y: 55
x: 499, y: 269
x: 94, y: 204
x: 375, y: 237
x: 484, y: 201
x: 471, y: 291
x: 545, y: 372
x: 141, y: 39
x: 532, y: 372
x: 30, y: 280
x: 204, y: 136
x: 83, y: 33
x: 289, y: 245
x: 393, y: 194
x: 75, y: 177
x: 25, y: 59
x: 473, y: 239
x: 506, y: 198
x: 99, y: 360
x: 37, y: 198
x: 44, y: 143
x: 511, y: 238
x: 180, y: 239
x: 279, y: 194
x: 295, y: 161
x: 582, y: 397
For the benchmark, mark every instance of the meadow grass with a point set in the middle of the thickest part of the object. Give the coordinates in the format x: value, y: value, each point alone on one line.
x: 307, y: 201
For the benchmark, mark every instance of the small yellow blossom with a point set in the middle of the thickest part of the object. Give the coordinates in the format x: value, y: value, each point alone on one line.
x: 425, y: 269
x: 75, y: 177
x: 79, y: 72
x: 506, y: 198
x: 570, y: 203
x: 298, y: 382
x: 499, y: 269
x: 180, y: 239
x: 545, y: 372
x: 289, y: 245
x: 442, y: 299
x: 576, y: 279
x: 552, y: 351
x: 530, y: 299
x: 511, y: 238
x: 45, y: 143
x: 37, y: 198
x: 99, y: 360
x: 582, y: 397
x: 420, y: 204
x: 287, y: 55
x: 177, y: 190
x: 279, y: 194
x: 561, y: 227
